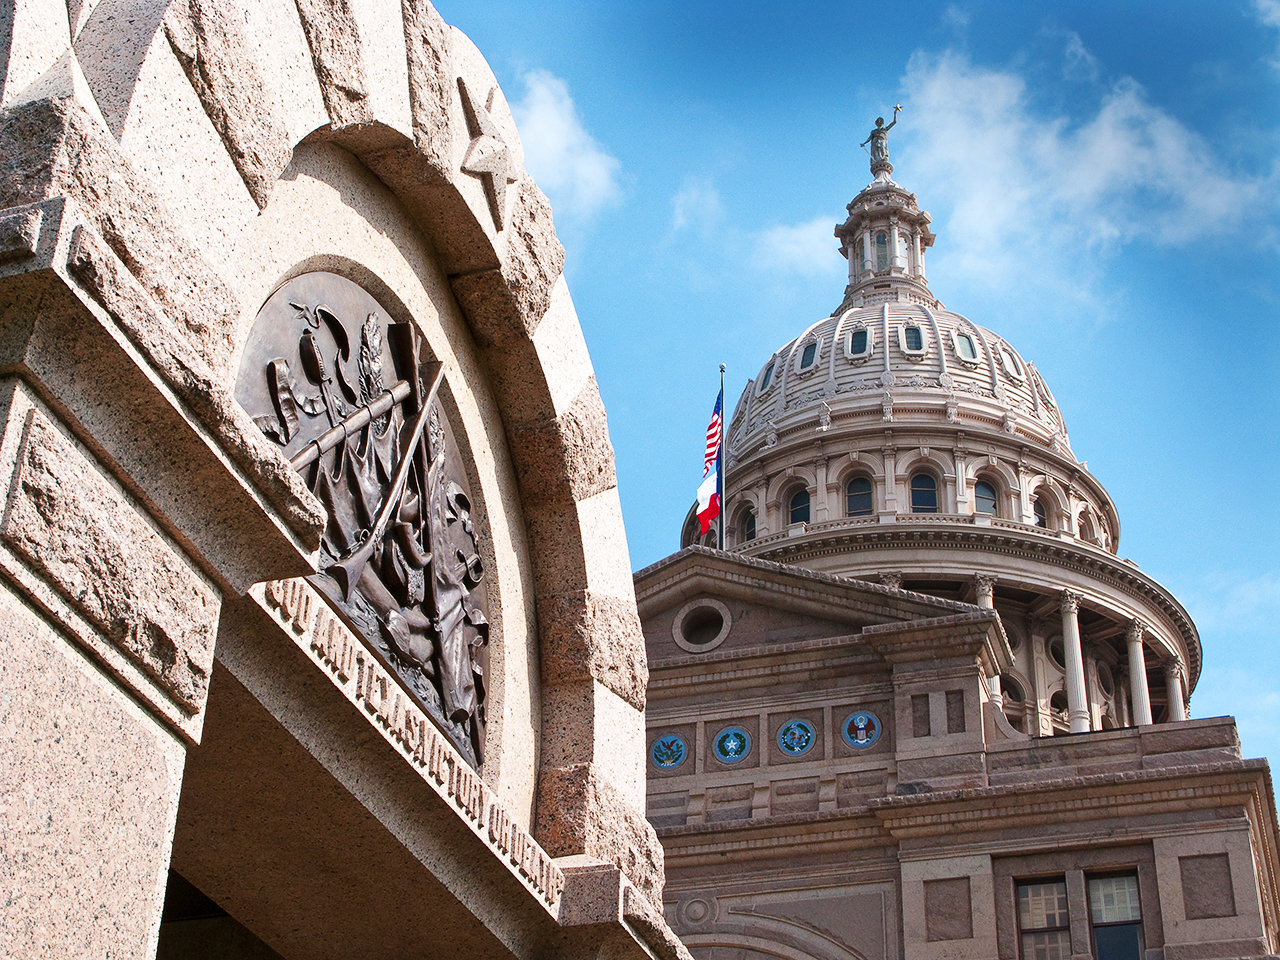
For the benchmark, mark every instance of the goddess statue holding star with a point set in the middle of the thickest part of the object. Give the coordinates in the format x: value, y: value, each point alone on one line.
x: 879, y: 138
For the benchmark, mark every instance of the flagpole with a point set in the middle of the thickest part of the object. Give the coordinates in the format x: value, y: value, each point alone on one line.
x: 720, y: 458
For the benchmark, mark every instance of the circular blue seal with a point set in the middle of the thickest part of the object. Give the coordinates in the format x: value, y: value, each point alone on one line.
x: 668, y: 752
x: 861, y: 729
x: 732, y: 744
x: 796, y: 738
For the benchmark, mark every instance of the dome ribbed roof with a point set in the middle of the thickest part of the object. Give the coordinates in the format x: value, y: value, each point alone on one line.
x: 891, y: 358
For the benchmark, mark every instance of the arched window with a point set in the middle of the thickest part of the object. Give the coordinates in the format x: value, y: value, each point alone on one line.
x: 984, y: 498
x: 748, y: 527
x: 798, y: 508
x: 882, y: 252
x: 809, y: 354
x: 1041, y: 514
x: 858, y: 497
x: 914, y: 339
x: 966, y: 349
x: 924, y: 494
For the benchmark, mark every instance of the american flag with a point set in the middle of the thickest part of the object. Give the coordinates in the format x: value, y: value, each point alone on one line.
x: 713, y: 437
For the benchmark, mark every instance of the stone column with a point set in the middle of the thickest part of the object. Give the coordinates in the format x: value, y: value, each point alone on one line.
x: 1173, y: 685
x: 893, y: 245
x: 917, y: 264
x: 889, y: 505
x: 821, y: 508
x: 1077, y: 703
x: 984, y: 586
x: 1138, y: 691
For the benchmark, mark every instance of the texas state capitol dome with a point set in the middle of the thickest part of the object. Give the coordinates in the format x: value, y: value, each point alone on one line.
x: 900, y: 442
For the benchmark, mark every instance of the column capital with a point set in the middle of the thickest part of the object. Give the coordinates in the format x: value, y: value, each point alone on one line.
x: 1068, y: 602
x: 1135, y: 630
x: 1173, y: 670
x: 892, y: 578
x: 984, y: 584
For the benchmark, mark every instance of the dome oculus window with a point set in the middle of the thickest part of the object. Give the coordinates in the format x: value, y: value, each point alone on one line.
x: 766, y: 378
x: 1012, y: 365
x: 798, y: 507
x: 858, y: 497
x: 924, y: 494
x: 984, y: 498
x: 808, y: 355
x: 911, y: 340
x: 965, y: 347
x: 857, y: 343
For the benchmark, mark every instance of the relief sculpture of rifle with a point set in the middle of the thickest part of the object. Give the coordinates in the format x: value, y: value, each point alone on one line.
x: 346, y: 571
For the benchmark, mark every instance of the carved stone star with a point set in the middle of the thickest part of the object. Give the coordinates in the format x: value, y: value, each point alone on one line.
x: 488, y: 156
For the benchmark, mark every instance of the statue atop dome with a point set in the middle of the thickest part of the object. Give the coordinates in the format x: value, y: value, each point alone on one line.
x: 879, y: 140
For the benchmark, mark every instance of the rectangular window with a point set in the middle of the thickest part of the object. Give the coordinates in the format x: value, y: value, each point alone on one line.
x: 1116, y: 918
x: 1043, y: 921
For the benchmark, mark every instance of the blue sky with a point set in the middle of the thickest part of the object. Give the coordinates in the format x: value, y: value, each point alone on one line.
x: 1105, y: 186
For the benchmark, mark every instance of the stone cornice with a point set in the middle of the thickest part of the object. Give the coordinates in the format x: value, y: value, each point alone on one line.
x: 979, y: 634
x: 1075, y: 799
x: 1020, y: 541
x: 697, y: 569
x: 887, y: 821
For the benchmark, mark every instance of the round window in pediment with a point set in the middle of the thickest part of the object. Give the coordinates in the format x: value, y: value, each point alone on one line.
x: 701, y: 625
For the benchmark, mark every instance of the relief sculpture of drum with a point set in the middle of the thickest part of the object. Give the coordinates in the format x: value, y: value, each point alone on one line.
x: 346, y: 396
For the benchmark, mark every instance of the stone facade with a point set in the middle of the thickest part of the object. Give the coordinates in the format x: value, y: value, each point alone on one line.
x: 191, y: 727
x: 908, y: 714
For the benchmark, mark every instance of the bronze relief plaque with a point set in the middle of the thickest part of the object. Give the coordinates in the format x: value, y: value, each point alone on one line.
x: 346, y: 396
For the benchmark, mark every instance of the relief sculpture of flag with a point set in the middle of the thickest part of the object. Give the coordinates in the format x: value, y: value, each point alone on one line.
x: 709, y: 492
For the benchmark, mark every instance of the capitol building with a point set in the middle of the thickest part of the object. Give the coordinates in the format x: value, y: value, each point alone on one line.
x: 919, y: 706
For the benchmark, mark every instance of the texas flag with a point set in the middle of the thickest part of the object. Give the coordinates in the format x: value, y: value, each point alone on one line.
x: 709, y: 492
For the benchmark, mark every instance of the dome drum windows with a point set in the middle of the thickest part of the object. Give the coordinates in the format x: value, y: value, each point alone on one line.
x: 1039, y: 513
x: 911, y: 340
x: 882, y: 252
x: 859, y: 501
x: 858, y: 342
x: 798, y: 507
x: 986, y: 498
x: 924, y: 493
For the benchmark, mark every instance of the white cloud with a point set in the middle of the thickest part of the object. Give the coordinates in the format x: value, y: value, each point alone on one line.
x: 696, y: 205
x: 1080, y: 63
x: 1036, y: 192
x: 575, y: 172
x: 1269, y: 13
x: 807, y: 249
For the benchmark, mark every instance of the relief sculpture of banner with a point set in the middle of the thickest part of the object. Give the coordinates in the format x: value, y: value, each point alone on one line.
x: 345, y: 395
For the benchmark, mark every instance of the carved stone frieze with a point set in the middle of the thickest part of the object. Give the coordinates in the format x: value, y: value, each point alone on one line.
x: 342, y: 392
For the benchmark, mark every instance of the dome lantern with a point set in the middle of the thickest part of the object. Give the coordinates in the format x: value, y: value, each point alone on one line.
x: 886, y: 235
